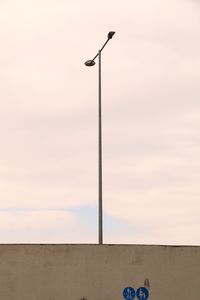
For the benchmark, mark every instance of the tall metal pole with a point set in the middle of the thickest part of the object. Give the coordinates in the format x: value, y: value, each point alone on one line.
x: 90, y: 63
x: 100, y: 160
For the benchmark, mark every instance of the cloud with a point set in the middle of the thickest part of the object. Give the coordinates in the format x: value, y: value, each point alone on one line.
x: 48, y: 116
x: 48, y: 226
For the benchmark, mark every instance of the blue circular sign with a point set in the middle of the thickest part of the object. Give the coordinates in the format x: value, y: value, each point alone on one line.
x: 129, y: 293
x: 142, y: 293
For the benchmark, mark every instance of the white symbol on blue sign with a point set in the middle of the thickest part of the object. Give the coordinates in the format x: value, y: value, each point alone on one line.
x: 129, y: 293
x: 142, y: 293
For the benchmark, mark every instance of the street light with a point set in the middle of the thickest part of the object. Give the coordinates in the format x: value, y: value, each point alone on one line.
x: 90, y: 63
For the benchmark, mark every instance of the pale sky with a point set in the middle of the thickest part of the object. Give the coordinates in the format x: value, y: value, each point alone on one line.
x: 151, y: 124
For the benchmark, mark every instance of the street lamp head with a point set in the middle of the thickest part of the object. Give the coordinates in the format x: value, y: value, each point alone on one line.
x: 90, y: 63
x: 110, y: 34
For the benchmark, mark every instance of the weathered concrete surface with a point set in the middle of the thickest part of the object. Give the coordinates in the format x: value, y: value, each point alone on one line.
x: 92, y: 272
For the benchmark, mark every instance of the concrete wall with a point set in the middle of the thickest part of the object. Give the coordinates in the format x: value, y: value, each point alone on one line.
x: 92, y: 272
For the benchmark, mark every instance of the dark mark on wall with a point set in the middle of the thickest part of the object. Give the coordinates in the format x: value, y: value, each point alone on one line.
x: 147, y: 284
